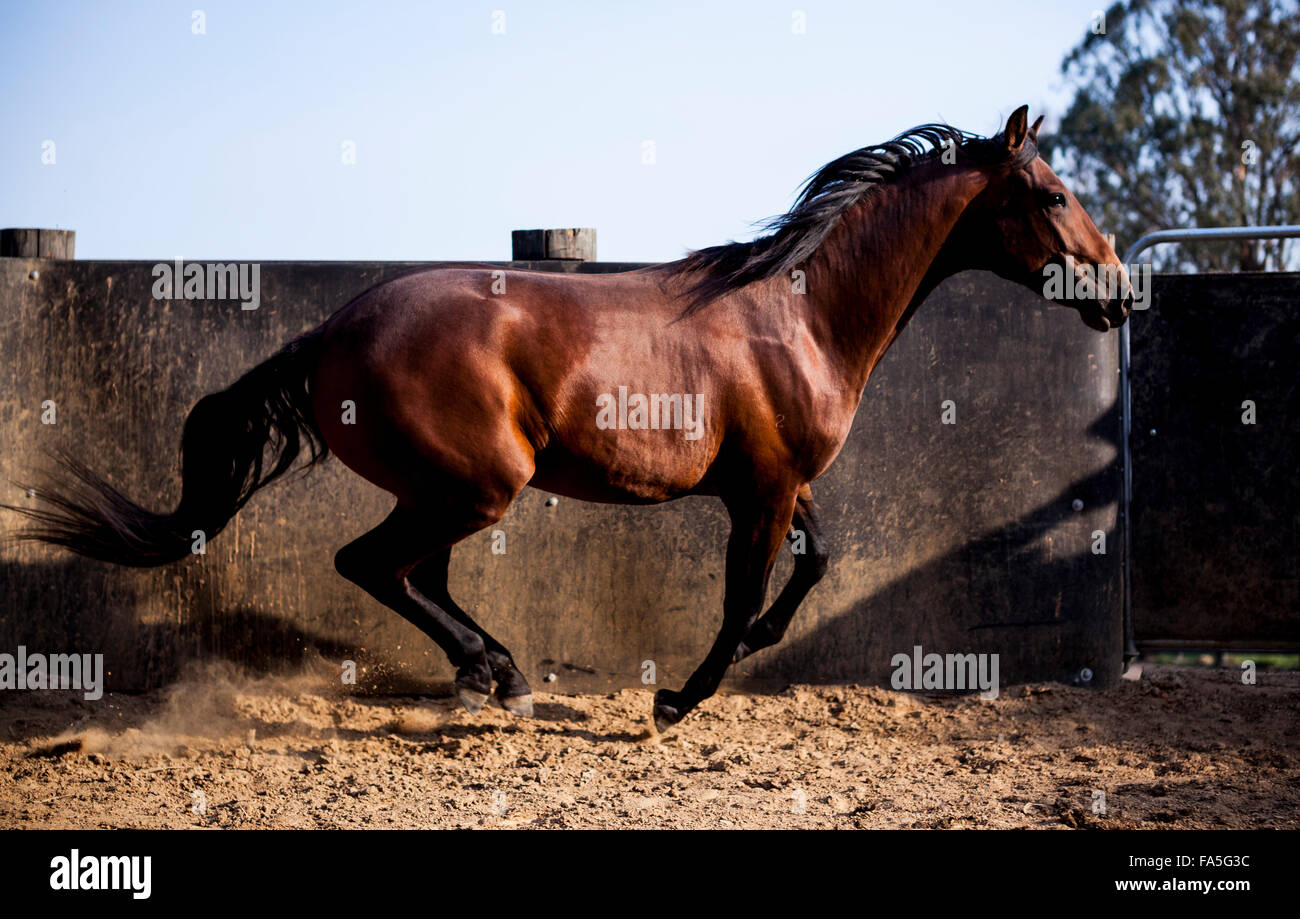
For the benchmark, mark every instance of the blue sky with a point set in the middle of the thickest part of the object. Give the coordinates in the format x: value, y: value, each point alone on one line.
x: 229, y: 144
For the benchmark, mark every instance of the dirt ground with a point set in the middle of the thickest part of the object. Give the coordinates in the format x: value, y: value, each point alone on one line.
x: 1176, y: 748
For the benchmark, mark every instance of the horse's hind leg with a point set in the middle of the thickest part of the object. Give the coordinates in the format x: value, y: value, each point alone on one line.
x: 513, y: 692
x: 380, y: 562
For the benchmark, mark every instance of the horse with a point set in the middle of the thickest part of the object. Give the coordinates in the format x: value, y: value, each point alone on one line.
x: 454, y: 388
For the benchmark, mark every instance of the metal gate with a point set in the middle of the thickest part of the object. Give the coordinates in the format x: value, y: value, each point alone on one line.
x: 1209, y: 398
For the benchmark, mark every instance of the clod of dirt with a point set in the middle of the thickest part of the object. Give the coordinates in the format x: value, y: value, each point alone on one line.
x: 91, y: 741
x: 417, y: 721
x: 1074, y: 818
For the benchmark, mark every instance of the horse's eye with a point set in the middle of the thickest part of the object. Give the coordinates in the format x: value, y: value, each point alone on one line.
x: 1055, y: 199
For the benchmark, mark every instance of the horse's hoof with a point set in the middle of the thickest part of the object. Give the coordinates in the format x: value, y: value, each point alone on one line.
x: 742, y: 652
x: 519, y: 705
x: 665, y: 717
x: 666, y: 714
x: 473, y: 701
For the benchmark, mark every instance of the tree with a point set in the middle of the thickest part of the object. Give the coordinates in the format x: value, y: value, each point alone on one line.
x: 1186, y: 113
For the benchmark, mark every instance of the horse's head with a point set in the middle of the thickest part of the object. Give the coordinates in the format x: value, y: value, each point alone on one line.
x: 1027, y: 227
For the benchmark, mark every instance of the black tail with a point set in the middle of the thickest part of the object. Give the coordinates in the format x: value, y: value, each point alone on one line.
x: 224, y: 460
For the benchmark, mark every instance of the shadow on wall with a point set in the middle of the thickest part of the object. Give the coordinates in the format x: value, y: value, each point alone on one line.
x: 1012, y: 567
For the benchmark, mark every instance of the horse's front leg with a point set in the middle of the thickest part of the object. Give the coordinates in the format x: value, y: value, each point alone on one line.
x: 809, y: 568
x: 757, y: 528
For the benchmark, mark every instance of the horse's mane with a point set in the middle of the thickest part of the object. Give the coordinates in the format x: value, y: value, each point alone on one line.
x: 794, y: 236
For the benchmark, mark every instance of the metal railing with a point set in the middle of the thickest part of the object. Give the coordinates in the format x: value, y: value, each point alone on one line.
x: 1286, y: 231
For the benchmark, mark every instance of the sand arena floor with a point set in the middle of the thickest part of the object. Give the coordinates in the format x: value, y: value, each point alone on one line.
x: 1176, y: 748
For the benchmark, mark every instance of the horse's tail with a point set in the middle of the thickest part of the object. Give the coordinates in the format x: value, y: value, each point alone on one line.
x: 234, y: 443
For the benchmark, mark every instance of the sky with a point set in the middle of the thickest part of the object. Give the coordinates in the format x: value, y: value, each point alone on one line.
x: 665, y: 126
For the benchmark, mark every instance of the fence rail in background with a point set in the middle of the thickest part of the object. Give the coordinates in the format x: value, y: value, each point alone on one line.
x: 37, y: 243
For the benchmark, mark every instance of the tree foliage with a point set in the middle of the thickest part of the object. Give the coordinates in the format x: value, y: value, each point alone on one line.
x: 1186, y: 113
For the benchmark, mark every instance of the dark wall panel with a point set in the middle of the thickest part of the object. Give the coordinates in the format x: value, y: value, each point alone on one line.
x: 960, y: 538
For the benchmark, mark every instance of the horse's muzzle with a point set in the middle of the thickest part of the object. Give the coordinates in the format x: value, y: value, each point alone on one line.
x: 1104, y: 315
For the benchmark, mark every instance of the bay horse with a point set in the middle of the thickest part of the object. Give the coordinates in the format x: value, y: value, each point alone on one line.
x: 466, y: 385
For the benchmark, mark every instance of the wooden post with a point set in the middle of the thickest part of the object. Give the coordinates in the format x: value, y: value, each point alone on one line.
x: 536, y: 245
x: 24, y: 243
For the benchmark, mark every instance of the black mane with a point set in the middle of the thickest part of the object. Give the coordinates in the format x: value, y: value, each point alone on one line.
x: 795, y: 235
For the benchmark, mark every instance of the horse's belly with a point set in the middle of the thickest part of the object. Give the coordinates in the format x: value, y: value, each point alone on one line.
x: 631, y: 477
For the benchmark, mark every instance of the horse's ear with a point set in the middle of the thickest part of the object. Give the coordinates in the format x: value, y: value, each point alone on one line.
x: 1017, y: 130
x: 1033, y: 129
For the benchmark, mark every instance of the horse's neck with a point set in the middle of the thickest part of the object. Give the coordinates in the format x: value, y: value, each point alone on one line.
x: 877, y: 263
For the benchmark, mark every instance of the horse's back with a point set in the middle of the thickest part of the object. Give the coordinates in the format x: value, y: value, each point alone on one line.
x: 471, y: 370
x: 491, y: 374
